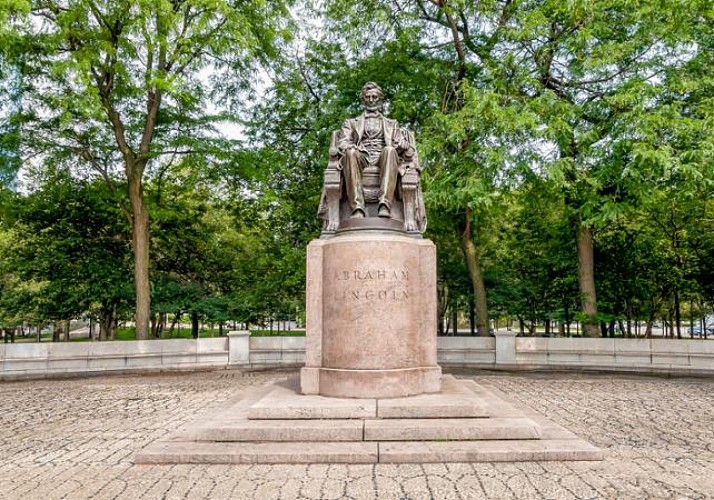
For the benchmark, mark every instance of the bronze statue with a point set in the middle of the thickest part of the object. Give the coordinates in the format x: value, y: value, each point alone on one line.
x: 375, y: 161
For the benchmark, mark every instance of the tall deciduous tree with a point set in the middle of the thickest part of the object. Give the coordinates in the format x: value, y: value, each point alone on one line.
x: 10, y: 99
x: 130, y: 83
x: 579, y: 67
x: 67, y: 252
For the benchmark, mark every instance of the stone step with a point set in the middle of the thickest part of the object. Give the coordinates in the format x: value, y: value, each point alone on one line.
x: 415, y: 430
x: 181, y: 452
x: 430, y: 429
x: 275, y: 431
x: 282, y: 403
x: 487, y: 451
x: 190, y: 452
x: 436, y: 429
x: 454, y: 401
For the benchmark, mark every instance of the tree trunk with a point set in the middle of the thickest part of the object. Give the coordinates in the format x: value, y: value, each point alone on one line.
x: 455, y: 318
x: 140, y: 243
x: 114, y: 324
x: 103, y: 327
x: 441, y: 297
x: 677, y: 314
x: 566, y: 318
x: 177, y: 318
x: 65, y: 330
x: 586, y: 279
x: 107, y: 319
x: 9, y: 335
x: 479, y: 289
x: 194, y: 325
x: 154, y: 325
x: 671, y: 323
x: 158, y: 323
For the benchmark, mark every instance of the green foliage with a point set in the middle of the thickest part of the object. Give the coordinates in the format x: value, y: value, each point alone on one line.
x: 129, y: 333
x: 275, y: 333
x: 605, y: 106
x: 533, y: 119
x: 64, y: 248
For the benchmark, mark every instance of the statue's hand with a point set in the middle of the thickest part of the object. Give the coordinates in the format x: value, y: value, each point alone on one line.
x: 348, y: 149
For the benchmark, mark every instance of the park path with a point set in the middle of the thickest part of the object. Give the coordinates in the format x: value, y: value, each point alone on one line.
x: 74, y: 439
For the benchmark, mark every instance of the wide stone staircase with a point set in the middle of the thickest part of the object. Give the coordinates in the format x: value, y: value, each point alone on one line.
x: 465, y: 422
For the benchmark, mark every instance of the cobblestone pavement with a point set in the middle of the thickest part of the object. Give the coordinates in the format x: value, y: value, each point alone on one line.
x: 75, y: 439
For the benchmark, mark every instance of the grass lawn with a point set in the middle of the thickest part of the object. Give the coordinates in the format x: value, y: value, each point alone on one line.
x: 275, y: 333
x: 129, y: 333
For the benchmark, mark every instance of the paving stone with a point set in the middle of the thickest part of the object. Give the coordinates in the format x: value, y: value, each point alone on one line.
x: 656, y: 435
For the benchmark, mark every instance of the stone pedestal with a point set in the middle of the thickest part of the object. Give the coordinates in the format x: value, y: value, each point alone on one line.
x: 371, y: 316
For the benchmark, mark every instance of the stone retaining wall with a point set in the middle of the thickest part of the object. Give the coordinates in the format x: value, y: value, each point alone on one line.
x: 39, y: 360
x: 240, y: 350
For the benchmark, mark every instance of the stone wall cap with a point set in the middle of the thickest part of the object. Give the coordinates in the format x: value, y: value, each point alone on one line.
x: 239, y: 333
x: 498, y: 333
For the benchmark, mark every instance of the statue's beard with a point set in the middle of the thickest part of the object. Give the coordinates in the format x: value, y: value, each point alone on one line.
x: 373, y: 107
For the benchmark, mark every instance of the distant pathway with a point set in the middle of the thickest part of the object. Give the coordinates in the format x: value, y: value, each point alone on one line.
x: 75, y: 439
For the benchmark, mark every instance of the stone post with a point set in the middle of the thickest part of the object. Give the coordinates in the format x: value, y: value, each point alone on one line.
x: 239, y: 348
x: 505, y: 348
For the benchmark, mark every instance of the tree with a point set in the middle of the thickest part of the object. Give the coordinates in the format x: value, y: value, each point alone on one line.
x: 121, y: 83
x: 10, y: 99
x: 576, y: 68
x: 67, y: 252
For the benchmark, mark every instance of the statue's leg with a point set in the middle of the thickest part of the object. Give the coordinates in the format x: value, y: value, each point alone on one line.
x: 352, y: 171
x: 389, y: 168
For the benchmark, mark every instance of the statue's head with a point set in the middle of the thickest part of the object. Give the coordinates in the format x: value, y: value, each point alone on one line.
x: 372, y: 97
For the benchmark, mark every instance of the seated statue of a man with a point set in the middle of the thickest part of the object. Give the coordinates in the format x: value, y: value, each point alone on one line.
x: 372, y: 139
x: 372, y: 145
